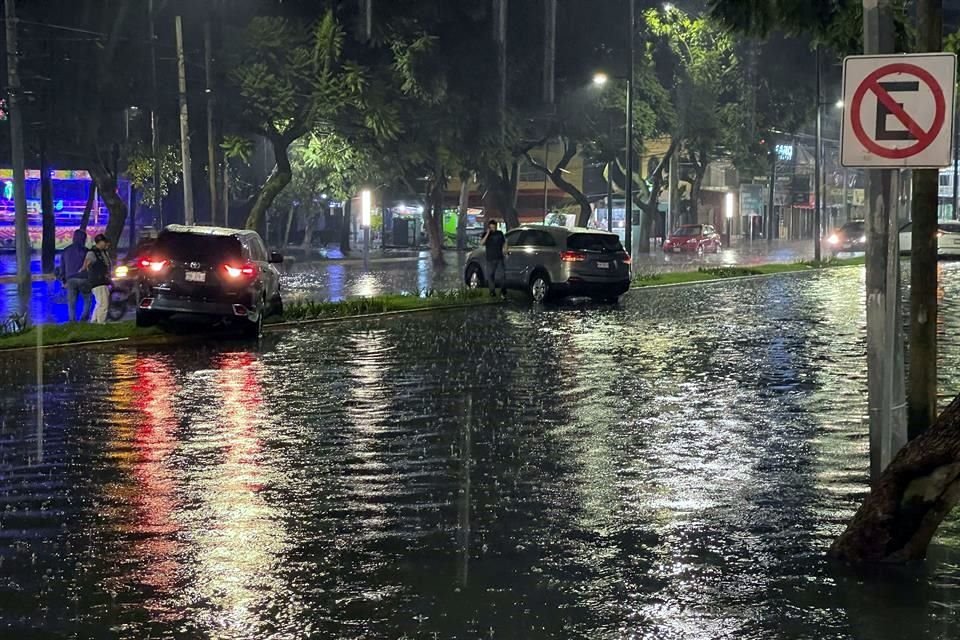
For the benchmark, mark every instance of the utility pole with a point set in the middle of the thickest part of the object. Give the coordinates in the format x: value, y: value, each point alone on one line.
x: 211, y: 124
x: 885, y: 381
x: 500, y: 37
x: 154, y: 107
x: 771, y: 202
x: 610, y: 197
x: 628, y: 179
x: 817, y: 163
x: 21, y: 229
x: 184, y: 129
x: 365, y: 21
x: 922, y: 383
x: 549, y: 49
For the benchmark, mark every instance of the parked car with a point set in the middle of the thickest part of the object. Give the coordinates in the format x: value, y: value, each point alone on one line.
x: 948, y: 238
x: 850, y: 238
x: 554, y: 262
x: 209, y: 271
x: 693, y: 238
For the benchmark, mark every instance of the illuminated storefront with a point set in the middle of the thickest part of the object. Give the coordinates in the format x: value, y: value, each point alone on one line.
x: 71, y: 190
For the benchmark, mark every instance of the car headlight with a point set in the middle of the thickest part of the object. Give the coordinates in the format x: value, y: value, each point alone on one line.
x: 121, y: 271
x: 834, y: 239
x: 863, y: 238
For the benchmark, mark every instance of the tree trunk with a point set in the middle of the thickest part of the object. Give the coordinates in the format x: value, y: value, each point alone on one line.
x: 48, y: 242
x: 290, y: 217
x: 88, y: 208
x: 907, y: 503
x: 651, y: 208
x: 556, y: 176
x: 279, y: 179
x: 462, y: 210
x: 107, y: 187
x: 433, y: 221
x: 346, y: 215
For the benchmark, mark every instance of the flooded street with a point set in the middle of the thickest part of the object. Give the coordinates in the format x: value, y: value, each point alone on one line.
x: 671, y: 468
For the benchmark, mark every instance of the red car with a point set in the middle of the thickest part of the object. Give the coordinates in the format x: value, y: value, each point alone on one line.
x: 693, y: 238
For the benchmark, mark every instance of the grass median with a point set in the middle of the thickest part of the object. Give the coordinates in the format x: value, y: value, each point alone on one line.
x: 296, y: 311
x: 706, y: 274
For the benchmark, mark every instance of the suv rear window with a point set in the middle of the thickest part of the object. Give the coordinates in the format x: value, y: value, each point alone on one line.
x: 194, y: 247
x: 854, y: 227
x: 594, y: 242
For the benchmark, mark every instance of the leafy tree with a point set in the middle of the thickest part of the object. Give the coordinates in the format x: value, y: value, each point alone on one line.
x: 707, y: 87
x: 288, y: 77
x: 140, y: 164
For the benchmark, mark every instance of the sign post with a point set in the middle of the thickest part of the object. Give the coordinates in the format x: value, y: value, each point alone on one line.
x: 897, y: 115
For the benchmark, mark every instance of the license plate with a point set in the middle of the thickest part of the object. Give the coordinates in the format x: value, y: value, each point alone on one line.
x: 196, y: 276
x: 603, y: 265
x: 676, y: 249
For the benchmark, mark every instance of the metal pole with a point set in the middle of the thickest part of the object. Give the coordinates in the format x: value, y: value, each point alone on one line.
x: 21, y: 228
x: 154, y: 132
x: 887, y: 428
x: 610, y: 197
x: 817, y: 161
x: 956, y: 168
x: 674, y: 197
x: 628, y: 180
x: 549, y: 49
x: 211, y: 110
x: 771, y: 192
x: 184, y: 128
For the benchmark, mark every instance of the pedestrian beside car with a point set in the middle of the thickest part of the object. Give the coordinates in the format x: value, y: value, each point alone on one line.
x: 98, y: 266
x: 75, y: 279
x: 493, y: 241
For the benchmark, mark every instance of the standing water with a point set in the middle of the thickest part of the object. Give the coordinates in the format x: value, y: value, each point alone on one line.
x: 673, y: 468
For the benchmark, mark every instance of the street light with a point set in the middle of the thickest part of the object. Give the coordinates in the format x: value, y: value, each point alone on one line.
x: 365, y: 206
x: 600, y: 79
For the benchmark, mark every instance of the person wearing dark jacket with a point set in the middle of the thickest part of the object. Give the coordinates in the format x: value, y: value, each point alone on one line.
x: 98, y: 266
x: 75, y: 279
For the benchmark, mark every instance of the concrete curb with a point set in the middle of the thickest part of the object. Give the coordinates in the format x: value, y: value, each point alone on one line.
x: 163, y: 339
x: 716, y: 280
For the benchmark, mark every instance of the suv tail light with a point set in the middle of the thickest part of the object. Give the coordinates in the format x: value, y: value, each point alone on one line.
x: 626, y: 259
x: 156, y: 266
x: 248, y: 270
x: 573, y: 256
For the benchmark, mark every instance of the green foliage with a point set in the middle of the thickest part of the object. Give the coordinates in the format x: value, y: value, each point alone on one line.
x: 318, y: 310
x: 140, y: 165
x: 290, y: 76
x: 237, y: 148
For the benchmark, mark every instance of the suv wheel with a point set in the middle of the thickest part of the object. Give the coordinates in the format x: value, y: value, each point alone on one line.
x: 254, y: 328
x: 540, y: 288
x: 474, y: 277
x: 146, y: 318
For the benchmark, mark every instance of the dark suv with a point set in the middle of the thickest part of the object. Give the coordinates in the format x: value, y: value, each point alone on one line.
x: 553, y: 262
x: 209, y: 271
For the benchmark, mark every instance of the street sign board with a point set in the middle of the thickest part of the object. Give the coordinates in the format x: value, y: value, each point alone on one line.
x: 751, y: 200
x: 898, y: 110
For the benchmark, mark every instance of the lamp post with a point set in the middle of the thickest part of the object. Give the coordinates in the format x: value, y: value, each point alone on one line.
x: 365, y: 205
x: 601, y: 79
x: 728, y: 213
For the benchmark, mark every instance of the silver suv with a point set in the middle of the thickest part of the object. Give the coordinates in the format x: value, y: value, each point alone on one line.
x: 553, y: 262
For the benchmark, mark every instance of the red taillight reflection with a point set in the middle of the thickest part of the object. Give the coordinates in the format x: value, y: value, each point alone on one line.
x: 626, y: 259
x: 247, y: 270
x: 573, y: 256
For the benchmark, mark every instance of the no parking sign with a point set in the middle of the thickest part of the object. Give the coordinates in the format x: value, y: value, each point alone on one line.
x: 898, y: 110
